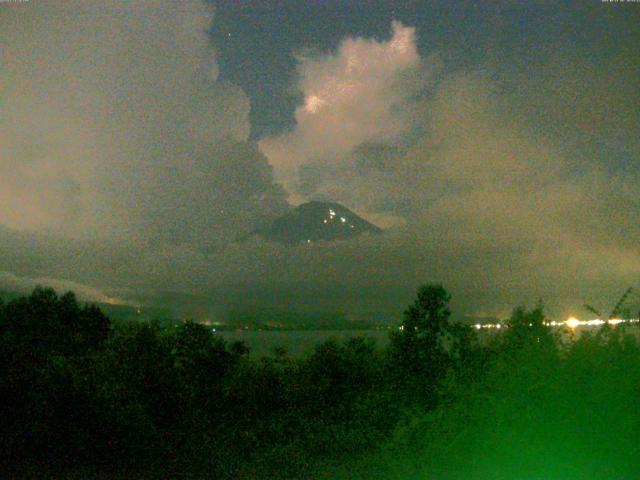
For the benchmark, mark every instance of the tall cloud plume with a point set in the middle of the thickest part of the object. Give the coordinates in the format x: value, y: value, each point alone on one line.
x: 509, y: 180
x: 361, y: 93
x: 513, y: 183
x: 112, y: 118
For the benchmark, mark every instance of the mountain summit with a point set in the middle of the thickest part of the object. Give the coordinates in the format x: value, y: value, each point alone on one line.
x: 313, y: 221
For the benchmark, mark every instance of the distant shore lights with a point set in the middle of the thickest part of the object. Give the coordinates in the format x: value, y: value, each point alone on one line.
x: 571, y: 322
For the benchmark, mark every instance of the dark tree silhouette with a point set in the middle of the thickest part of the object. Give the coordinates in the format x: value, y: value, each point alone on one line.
x: 527, y: 329
x: 79, y: 400
x: 44, y: 323
x: 419, y: 347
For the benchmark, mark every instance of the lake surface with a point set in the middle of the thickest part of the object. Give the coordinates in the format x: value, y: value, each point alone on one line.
x: 297, y: 342
x: 302, y: 342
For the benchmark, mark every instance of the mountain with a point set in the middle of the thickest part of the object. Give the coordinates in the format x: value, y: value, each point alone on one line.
x: 315, y: 221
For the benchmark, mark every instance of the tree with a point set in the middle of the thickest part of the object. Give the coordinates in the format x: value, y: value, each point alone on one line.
x: 527, y: 329
x: 202, y: 361
x: 48, y: 346
x: 339, y: 371
x: 419, y: 346
x: 44, y: 323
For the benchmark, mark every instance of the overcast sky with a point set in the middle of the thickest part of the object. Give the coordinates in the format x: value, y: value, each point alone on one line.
x: 497, y: 142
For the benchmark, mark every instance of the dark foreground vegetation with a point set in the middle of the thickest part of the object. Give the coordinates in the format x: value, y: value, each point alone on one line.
x: 81, y: 398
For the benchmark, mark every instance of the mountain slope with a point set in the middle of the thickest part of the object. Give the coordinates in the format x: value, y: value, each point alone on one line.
x: 315, y: 221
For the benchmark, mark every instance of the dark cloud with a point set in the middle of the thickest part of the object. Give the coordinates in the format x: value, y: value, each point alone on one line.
x: 114, y: 124
x: 508, y: 183
x: 226, y: 191
x: 504, y: 178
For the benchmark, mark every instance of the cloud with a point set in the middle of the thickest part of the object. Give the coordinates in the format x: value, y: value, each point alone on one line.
x: 113, y: 119
x: 362, y: 92
x: 506, y: 184
x: 513, y: 183
x: 17, y: 284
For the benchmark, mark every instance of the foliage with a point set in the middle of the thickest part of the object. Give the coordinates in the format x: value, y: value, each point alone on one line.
x: 418, y: 348
x: 536, y: 409
x: 83, y: 399
x: 527, y: 330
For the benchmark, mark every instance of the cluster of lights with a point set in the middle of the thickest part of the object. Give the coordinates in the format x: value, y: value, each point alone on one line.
x: 479, y: 326
x: 571, y: 322
x: 332, y: 215
x: 574, y: 322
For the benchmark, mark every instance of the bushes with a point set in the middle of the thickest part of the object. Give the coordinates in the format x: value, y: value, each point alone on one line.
x: 536, y: 410
x: 78, y: 396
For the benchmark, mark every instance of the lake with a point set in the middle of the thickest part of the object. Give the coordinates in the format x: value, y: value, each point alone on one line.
x: 302, y: 342
x: 297, y: 342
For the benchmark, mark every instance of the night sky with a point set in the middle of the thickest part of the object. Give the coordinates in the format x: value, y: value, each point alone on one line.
x: 496, y: 142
